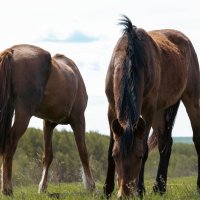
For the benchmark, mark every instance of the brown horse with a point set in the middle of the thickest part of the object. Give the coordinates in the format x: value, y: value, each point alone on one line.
x: 148, y: 75
x: 34, y: 84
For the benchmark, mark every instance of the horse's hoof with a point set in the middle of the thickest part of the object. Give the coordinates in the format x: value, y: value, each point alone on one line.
x: 198, y: 190
x: 104, y: 196
x: 92, y: 187
x: 42, y: 189
x: 7, y: 192
x: 155, y: 189
x: 57, y: 195
x: 158, y: 189
x: 107, y: 195
x: 108, y: 191
x: 141, y: 192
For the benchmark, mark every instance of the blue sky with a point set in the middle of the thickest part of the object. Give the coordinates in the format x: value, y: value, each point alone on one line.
x: 87, y: 31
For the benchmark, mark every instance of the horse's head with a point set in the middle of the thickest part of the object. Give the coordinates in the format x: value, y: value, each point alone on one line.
x: 127, y: 153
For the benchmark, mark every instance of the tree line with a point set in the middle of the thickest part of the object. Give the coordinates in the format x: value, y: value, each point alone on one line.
x: 66, y: 167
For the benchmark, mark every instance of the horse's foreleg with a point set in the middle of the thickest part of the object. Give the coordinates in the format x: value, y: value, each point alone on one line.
x: 17, y: 130
x: 6, y: 176
x: 140, y: 186
x: 109, y: 183
x: 47, y: 155
x: 78, y: 126
x: 148, y: 116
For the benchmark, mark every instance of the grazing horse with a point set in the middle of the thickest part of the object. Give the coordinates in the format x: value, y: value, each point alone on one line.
x: 148, y: 75
x: 34, y: 84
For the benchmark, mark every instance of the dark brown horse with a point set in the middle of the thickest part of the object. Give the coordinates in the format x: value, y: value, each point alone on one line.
x: 34, y: 84
x: 148, y: 75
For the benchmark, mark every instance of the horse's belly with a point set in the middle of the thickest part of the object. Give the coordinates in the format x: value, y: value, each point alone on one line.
x: 172, y: 86
x: 52, y: 111
x: 57, y: 103
x: 169, y: 97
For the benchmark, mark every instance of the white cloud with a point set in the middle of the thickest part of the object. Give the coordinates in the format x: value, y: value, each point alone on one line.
x: 75, y: 37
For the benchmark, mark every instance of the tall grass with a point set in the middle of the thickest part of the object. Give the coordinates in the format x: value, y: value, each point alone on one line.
x: 177, y: 189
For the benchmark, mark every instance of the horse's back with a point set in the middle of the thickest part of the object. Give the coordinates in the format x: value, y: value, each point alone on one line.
x: 165, y: 36
x: 26, y: 51
x: 65, y: 87
x: 176, y: 63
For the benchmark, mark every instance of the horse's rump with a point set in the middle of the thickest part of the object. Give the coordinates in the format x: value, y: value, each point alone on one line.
x: 24, y: 71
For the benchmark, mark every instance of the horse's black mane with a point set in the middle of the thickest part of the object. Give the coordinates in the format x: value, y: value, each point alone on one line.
x: 128, y: 104
x: 128, y: 26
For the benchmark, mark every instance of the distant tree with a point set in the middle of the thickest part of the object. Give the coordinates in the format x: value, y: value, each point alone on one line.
x: 66, y: 165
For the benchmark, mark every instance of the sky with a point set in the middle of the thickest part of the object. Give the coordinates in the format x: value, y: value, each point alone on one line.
x: 87, y: 31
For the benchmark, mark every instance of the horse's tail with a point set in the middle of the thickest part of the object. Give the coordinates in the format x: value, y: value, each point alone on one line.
x: 170, y: 116
x: 6, y: 102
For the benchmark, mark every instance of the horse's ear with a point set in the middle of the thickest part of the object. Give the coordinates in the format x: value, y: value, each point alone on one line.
x: 116, y: 128
x: 141, y: 126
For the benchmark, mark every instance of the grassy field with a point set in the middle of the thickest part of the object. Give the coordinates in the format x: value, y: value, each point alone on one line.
x: 178, y: 189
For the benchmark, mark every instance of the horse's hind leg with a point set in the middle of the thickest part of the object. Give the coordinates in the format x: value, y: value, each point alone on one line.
x: 47, y: 155
x: 193, y: 110
x: 21, y: 122
x: 78, y: 126
x: 163, y: 125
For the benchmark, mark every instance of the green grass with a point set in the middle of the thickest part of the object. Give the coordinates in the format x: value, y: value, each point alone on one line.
x: 178, y: 189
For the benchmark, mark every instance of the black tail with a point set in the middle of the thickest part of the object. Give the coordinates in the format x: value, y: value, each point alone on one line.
x: 170, y: 117
x: 6, y: 102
